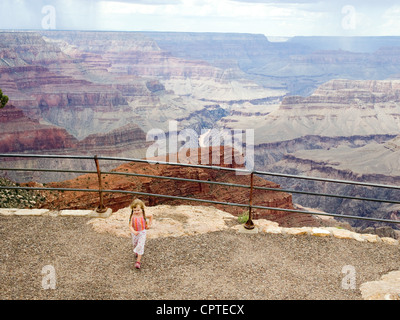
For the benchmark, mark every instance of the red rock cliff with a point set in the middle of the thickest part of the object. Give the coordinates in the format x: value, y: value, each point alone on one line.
x: 19, y: 133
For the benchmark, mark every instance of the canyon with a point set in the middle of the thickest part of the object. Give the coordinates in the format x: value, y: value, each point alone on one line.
x: 346, y: 130
x: 322, y: 106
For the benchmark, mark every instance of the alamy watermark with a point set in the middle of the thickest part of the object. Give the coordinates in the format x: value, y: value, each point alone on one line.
x: 49, y: 19
x: 49, y: 277
x: 349, y: 20
x: 349, y: 280
x: 184, y: 146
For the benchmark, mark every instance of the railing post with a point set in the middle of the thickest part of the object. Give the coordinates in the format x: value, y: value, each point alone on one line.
x: 101, y: 208
x: 249, y: 224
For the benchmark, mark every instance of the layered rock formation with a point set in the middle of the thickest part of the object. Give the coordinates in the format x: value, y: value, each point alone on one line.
x: 103, y: 88
x: 345, y: 130
x: 33, y: 72
x: 96, y: 82
x: 373, y: 163
x: 19, y: 133
x: 177, y: 84
x: 339, y: 108
x: 340, y: 113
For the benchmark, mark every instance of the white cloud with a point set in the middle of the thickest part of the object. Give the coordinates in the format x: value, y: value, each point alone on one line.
x: 271, y: 17
x: 212, y: 16
x: 391, y: 20
x: 124, y: 8
x: 206, y: 8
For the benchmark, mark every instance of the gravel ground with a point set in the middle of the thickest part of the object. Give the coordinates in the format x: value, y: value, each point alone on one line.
x: 218, y: 265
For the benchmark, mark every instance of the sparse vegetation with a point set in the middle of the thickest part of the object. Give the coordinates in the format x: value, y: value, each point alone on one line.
x: 18, y: 198
x: 243, y: 217
x: 3, y: 100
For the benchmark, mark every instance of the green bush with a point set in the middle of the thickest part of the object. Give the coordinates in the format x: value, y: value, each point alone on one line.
x: 243, y: 217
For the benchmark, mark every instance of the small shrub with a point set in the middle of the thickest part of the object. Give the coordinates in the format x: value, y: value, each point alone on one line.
x: 243, y: 217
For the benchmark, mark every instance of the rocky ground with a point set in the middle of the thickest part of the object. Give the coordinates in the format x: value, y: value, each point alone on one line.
x: 222, y: 264
x: 10, y: 198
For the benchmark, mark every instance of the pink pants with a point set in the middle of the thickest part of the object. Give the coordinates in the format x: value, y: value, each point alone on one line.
x: 138, y: 242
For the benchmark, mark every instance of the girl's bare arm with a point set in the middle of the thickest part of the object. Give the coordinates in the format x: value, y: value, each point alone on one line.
x: 150, y: 217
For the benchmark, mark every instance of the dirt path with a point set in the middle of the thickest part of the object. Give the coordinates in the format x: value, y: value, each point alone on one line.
x: 217, y: 265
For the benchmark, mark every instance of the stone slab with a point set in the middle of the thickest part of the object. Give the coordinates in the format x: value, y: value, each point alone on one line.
x: 76, y: 213
x: 242, y: 229
x: 24, y: 212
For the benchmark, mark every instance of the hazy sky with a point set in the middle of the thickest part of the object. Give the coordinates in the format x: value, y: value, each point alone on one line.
x: 269, y: 17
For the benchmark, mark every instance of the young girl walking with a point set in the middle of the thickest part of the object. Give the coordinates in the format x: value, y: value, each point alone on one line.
x: 138, y: 225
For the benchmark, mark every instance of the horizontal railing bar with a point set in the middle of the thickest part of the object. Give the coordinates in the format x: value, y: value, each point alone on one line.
x: 47, y: 170
x: 176, y: 164
x: 178, y: 179
x: 125, y: 191
x: 328, y: 214
x: 130, y: 174
x: 328, y: 195
x: 48, y: 189
x: 364, y: 184
x: 210, y: 201
x: 45, y: 156
x: 126, y: 159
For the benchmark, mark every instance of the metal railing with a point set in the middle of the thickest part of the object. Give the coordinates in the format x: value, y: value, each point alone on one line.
x: 249, y: 224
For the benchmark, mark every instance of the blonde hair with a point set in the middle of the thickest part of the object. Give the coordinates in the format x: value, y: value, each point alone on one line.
x: 137, y: 203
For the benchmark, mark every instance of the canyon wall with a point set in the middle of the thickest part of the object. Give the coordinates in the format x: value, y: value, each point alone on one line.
x: 346, y: 130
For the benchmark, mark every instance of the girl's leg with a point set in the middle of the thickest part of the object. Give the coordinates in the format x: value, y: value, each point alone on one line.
x: 135, y: 240
x: 139, y: 249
